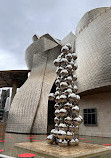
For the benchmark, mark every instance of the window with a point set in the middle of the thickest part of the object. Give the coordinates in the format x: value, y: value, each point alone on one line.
x: 90, y: 116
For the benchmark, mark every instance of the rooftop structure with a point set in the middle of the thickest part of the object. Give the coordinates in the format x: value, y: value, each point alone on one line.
x: 7, y: 77
x: 14, y: 79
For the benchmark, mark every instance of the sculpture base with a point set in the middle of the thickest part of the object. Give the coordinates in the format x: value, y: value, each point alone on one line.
x: 83, y: 150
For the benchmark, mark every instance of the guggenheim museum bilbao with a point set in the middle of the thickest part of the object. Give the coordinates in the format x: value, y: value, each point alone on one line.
x: 32, y: 112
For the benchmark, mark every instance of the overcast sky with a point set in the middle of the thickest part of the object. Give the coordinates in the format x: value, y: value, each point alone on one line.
x: 21, y: 19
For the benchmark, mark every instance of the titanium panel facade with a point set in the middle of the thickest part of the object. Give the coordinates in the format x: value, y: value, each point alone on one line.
x: 93, y: 46
x: 28, y: 111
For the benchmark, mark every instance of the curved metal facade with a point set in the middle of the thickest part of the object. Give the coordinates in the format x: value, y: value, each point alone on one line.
x: 93, y: 46
x: 29, y: 109
x: 28, y: 113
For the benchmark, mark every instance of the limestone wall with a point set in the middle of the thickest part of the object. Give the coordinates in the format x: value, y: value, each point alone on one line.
x: 103, y: 104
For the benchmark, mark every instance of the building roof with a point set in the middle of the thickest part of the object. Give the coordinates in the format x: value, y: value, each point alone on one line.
x: 48, y: 36
x: 7, y: 77
x: 89, y: 17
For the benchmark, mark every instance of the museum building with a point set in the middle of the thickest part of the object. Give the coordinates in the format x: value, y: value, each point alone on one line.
x: 31, y: 112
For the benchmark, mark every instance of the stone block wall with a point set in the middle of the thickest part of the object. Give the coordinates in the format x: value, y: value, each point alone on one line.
x: 102, y: 102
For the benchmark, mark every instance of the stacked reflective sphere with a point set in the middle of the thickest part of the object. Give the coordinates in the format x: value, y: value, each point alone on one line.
x: 67, y: 118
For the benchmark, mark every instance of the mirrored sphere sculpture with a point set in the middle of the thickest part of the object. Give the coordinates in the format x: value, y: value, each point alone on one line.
x: 67, y: 118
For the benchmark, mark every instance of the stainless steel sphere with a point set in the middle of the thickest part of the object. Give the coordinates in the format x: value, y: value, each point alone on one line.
x: 63, y: 127
x: 68, y: 79
x: 68, y: 91
x: 58, y: 71
x: 63, y: 62
x: 77, y: 121
x: 56, y: 120
x: 80, y: 117
x: 72, y: 142
x: 56, y: 106
x: 63, y: 112
x: 69, y: 56
x: 68, y: 45
x: 71, y: 128
x: 61, y: 134
x: 56, y: 126
x: 60, y: 142
x: 77, y: 98
x: 51, y: 96
x: 63, y: 98
x: 74, y: 77
x: 57, y: 83
x: 69, y: 135
x: 64, y: 72
x: 56, y: 62
x: 76, y: 128
x: 57, y: 93
x: 68, y: 120
x: 64, y: 143
x: 63, y: 85
x: 75, y: 66
x: 75, y: 89
x: 75, y: 110
x: 74, y: 56
x: 50, y: 139
x: 64, y: 49
x: 69, y: 68
x: 76, y: 141
x: 72, y: 97
x: 53, y: 131
x: 57, y: 113
x: 57, y: 100
x: 68, y: 106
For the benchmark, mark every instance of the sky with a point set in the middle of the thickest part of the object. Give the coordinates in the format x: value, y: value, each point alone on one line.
x: 21, y: 19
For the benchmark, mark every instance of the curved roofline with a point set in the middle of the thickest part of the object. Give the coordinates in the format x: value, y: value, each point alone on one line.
x: 89, y: 17
x: 47, y: 35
